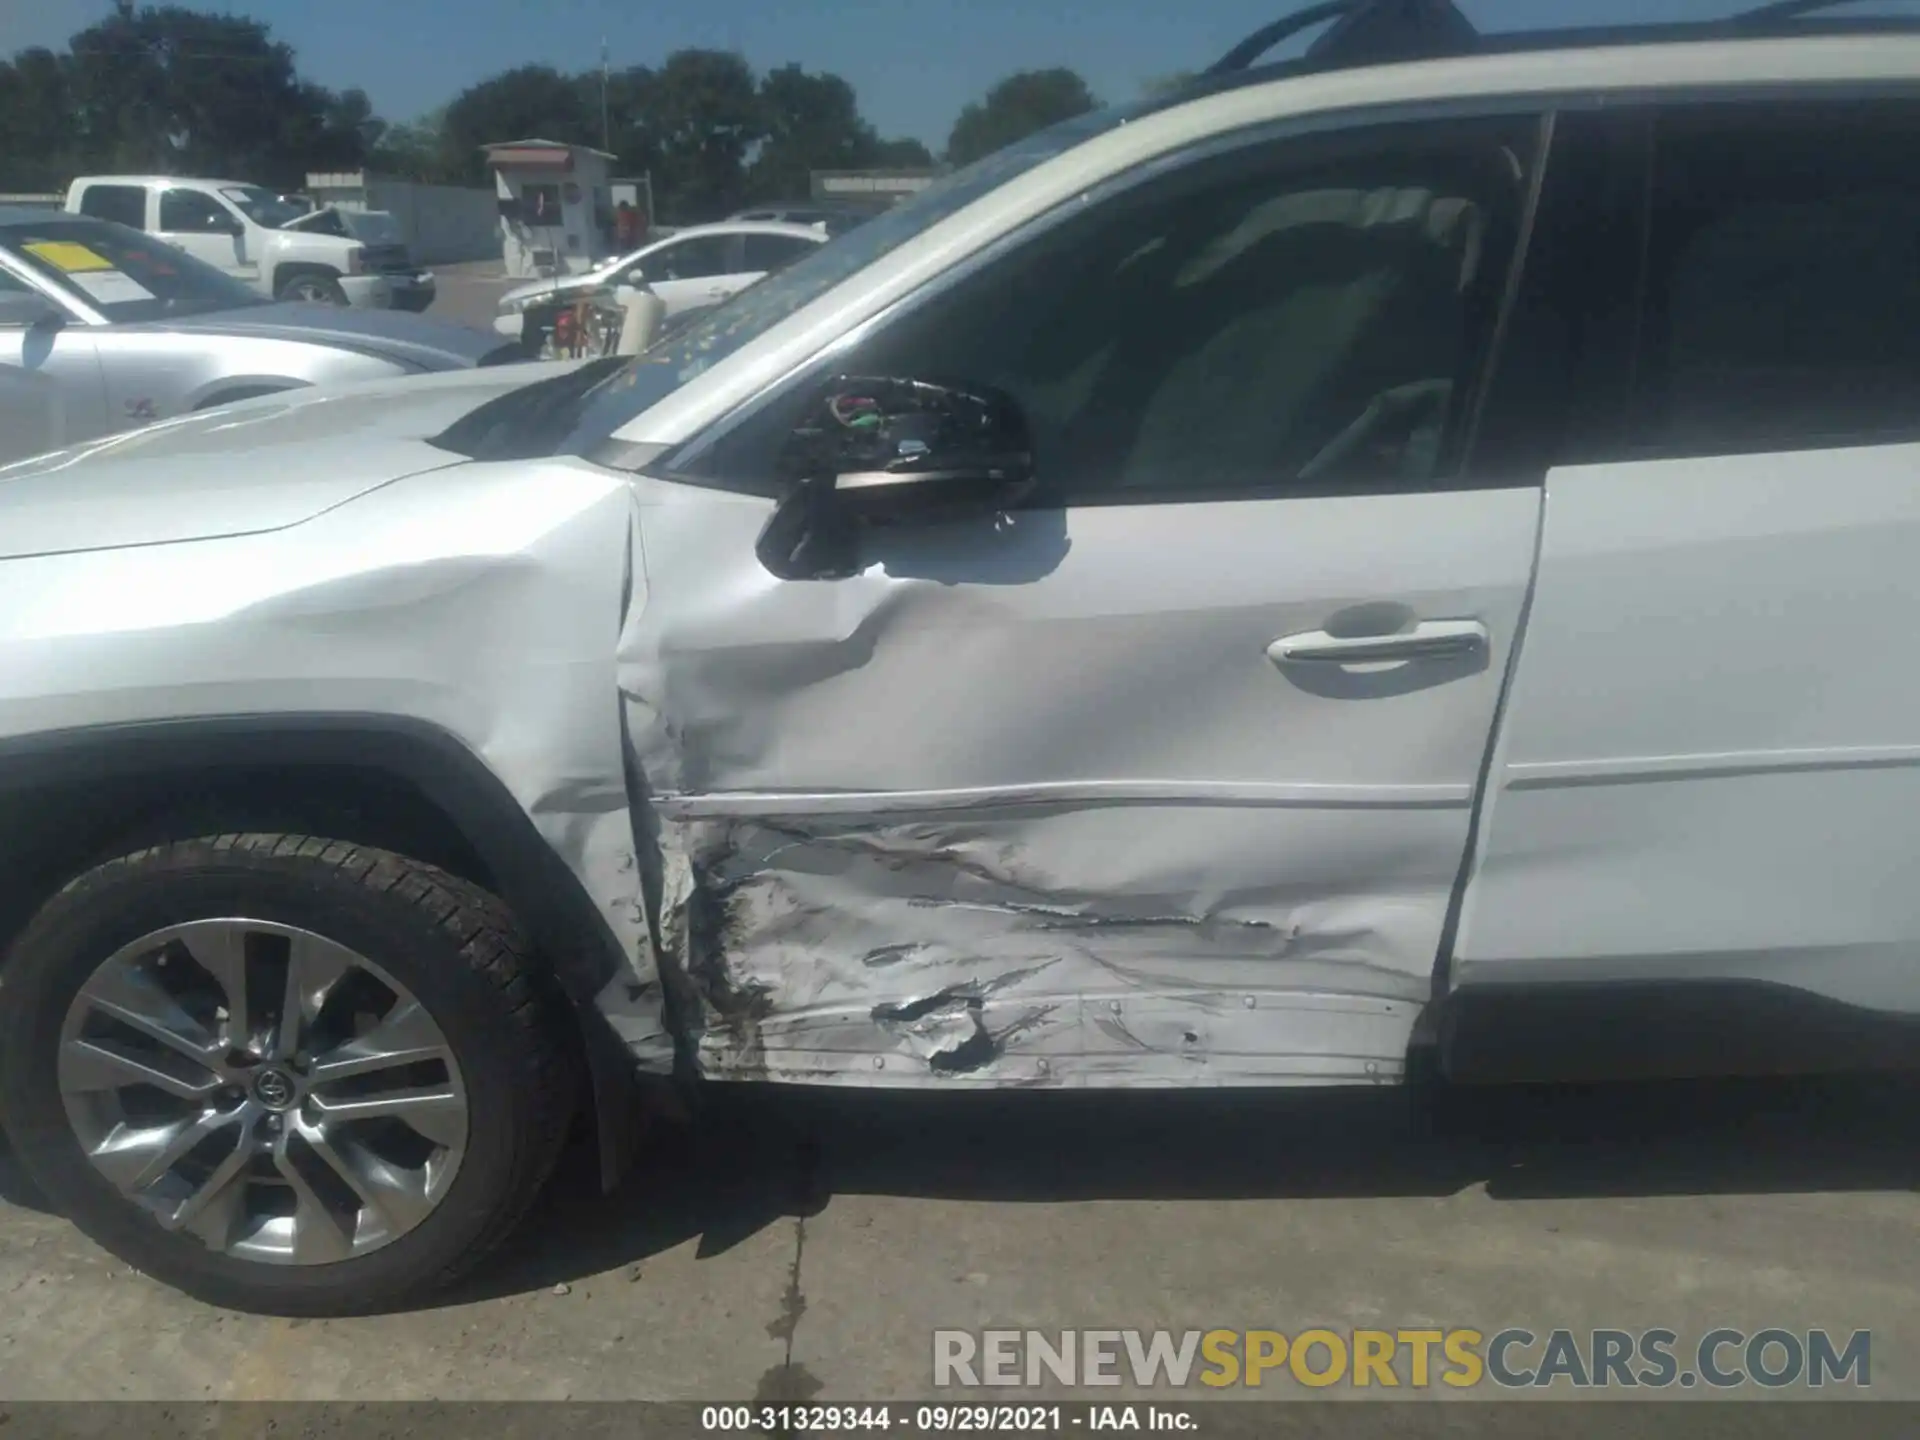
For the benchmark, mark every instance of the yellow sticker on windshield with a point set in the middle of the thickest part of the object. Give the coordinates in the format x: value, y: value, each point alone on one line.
x: 68, y: 256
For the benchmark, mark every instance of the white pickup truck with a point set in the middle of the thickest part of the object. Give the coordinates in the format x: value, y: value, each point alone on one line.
x: 252, y: 234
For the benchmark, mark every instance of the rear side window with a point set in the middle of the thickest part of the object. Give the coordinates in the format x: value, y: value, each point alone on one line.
x: 1783, y: 282
x: 122, y: 204
x: 770, y: 252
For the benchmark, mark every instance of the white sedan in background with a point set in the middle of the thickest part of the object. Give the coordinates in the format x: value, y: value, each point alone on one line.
x: 689, y: 270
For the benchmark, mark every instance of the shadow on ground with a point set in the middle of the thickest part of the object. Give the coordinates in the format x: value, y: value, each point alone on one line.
x: 760, y: 1155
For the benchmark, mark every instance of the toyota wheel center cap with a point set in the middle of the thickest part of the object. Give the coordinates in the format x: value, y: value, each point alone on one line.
x: 275, y: 1089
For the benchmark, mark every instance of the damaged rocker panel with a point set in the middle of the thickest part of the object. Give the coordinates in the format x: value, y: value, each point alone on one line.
x: 1030, y: 960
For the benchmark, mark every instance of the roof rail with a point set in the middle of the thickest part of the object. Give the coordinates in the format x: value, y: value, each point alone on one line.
x: 1363, y: 31
x: 1370, y: 32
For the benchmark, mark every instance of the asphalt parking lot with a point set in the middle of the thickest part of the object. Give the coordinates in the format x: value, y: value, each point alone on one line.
x: 469, y: 293
x: 806, y: 1245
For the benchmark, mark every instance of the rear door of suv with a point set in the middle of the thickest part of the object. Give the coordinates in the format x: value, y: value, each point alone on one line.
x: 1698, y: 850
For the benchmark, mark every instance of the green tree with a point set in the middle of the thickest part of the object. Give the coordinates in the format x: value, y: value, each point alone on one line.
x: 634, y: 134
x: 182, y: 92
x: 703, y: 111
x: 531, y: 102
x: 902, y: 155
x: 812, y: 122
x: 1016, y: 107
x: 412, y: 151
x: 167, y: 89
x: 331, y: 131
x: 36, y: 111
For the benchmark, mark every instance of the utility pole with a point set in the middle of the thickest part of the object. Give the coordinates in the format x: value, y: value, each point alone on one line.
x: 606, y: 127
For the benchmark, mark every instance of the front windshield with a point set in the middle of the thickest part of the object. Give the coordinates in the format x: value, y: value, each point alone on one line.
x: 373, y: 227
x: 652, y: 376
x: 263, y: 207
x: 125, y: 275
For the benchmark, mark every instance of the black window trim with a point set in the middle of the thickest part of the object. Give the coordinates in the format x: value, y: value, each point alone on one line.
x: 671, y: 464
x: 1331, y: 127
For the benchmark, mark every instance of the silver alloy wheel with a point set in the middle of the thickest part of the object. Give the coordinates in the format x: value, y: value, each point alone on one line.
x: 312, y: 291
x: 269, y: 1091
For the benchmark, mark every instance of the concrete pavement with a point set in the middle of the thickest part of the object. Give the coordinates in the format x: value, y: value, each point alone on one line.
x: 469, y: 293
x: 806, y: 1245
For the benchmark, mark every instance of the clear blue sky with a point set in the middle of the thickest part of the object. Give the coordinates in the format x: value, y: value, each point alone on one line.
x: 913, y: 62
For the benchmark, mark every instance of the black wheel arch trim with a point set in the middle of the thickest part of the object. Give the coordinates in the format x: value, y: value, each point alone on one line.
x: 530, y: 876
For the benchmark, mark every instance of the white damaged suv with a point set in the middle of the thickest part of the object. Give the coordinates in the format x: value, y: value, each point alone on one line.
x: 1405, y: 553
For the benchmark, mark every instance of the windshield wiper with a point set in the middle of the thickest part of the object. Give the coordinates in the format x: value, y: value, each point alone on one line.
x: 528, y: 423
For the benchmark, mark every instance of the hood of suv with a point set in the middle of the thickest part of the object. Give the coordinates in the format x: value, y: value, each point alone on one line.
x: 391, y: 334
x: 261, y: 465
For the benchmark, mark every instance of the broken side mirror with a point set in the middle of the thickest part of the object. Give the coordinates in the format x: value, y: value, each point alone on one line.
x: 872, y: 452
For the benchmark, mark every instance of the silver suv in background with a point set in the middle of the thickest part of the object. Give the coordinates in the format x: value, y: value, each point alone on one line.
x: 1396, y: 562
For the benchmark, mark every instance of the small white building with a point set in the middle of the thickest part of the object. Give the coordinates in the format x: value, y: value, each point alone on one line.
x: 556, y: 208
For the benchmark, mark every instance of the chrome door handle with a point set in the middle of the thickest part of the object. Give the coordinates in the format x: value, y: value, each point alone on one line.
x: 1429, y: 640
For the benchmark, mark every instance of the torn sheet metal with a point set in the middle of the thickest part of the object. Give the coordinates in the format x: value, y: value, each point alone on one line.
x: 899, y: 953
x: 1019, y: 807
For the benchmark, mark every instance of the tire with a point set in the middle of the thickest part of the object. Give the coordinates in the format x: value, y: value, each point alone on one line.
x: 311, y: 289
x: 430, y: 936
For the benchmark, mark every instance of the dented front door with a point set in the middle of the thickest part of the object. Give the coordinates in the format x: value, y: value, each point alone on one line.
x: 1040, y: 806
x: 1114, y: 791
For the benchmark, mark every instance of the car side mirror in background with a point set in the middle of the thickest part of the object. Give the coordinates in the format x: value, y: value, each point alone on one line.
x: 24, y: 310
x: 871, y: 452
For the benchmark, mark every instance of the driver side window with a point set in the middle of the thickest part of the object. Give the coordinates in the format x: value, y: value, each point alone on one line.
x: 1302, y: 315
